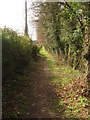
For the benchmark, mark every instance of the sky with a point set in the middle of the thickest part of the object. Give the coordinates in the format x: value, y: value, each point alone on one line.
x: 12, y: 15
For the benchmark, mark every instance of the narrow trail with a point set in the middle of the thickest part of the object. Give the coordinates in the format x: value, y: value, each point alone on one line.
x: 37, y: 92
x: 41, y: 96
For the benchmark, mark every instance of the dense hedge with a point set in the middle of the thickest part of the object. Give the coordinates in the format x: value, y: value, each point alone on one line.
x: 17, y: 51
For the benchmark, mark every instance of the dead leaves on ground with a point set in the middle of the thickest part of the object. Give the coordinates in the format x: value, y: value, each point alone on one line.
x: 75, y: 98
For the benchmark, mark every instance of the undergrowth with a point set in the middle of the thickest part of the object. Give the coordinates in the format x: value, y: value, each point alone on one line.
x: 70, y: 87
x: 17, y: 52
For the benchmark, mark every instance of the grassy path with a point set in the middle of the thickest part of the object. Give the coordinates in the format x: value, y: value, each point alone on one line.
x: 47, y: 89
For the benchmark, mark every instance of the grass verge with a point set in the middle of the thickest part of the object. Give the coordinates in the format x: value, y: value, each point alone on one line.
x: 70, y: 86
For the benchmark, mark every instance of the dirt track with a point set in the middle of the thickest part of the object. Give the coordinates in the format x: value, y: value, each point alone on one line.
x: 42, y: 94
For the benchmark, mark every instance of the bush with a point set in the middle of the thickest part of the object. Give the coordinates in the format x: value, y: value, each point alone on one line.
x: 17, y: 51
x: 35, y: 50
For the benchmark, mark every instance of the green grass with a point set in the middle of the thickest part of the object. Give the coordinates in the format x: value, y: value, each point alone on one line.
x: 65, y: 81
x: 82, y: 101
x: 63, y: 75
x: 57, y: 66
x: 55, y: 80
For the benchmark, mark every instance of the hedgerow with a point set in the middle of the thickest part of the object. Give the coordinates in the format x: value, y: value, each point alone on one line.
x: 17, y: 52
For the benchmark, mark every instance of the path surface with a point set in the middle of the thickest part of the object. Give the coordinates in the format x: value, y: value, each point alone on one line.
x: 32, y: 93
x: 41, y: 97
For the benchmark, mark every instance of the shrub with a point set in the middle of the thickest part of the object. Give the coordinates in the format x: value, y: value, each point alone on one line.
x: 17, y: 51
x: 35, y: 50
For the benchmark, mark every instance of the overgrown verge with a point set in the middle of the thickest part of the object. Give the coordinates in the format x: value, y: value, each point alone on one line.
x: 70, y: 87
x: 16, y: 93
x: 18, y: 55
x: 17, y: 52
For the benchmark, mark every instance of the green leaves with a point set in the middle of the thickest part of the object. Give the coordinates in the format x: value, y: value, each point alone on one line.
x: 61, y: 30
x: 17, y: 51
